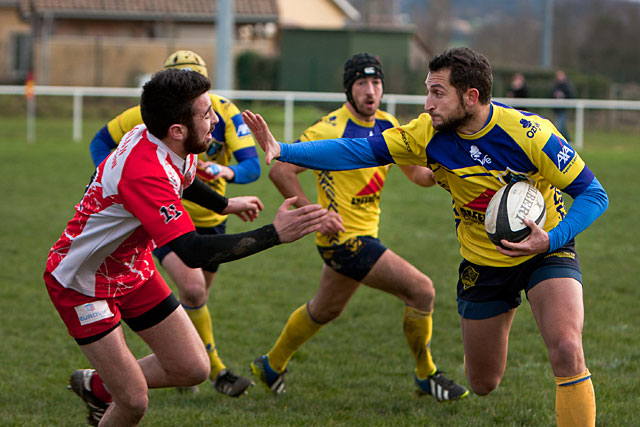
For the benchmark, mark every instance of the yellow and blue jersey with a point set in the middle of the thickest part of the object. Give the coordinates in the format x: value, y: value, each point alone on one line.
x: 231, y: 137
x: 353, y: 194
x: 512, y: 145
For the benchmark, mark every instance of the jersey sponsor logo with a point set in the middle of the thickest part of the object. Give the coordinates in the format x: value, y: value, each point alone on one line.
x: 477, y: 155
x: 170, y: 213
x: 564, y: 157
x: 469, y: 277
x: 369, y: 193
x: 364, y: 200
x: 93, y: 312
x: 405, y: 140
x: 481, y: 202
x: 241, y: 127
x: 474, y: 211
x: 472, y: 215
x: 530, y: 126
x: 560, y: 153
x: 374, y: 185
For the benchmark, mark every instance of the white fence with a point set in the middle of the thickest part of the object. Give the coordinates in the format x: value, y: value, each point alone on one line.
x: 390, y: 101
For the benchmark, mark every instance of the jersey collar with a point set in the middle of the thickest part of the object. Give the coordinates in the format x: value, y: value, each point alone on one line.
x: 360, y: 122
x: 491, y: 120
x: 175, y: 159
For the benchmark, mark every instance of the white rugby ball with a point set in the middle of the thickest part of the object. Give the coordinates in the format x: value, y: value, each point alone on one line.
x: 507, y: 209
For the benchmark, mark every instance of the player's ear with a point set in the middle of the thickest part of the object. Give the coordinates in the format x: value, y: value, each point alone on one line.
x: 177, y: 131
x: 471, y: 96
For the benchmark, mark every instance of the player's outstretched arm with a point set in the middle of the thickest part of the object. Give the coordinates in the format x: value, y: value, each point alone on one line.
x: 263, y: 135
x: 197, y: 250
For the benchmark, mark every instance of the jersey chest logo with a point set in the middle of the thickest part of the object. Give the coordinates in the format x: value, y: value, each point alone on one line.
x: 477, y: 155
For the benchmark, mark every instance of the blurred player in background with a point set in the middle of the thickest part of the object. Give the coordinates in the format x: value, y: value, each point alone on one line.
x: 474, y: 147
x: 231, y: 137
x: 101, y: 271
x: 348, y: 240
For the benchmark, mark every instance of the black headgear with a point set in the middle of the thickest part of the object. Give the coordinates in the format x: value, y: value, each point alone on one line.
x: 359, y: 66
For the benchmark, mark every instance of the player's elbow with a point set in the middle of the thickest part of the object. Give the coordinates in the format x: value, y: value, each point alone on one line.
x: 277, y: 173
x: 253, y: 175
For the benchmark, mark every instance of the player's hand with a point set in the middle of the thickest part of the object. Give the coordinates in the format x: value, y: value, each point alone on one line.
x: 214, y: 170
x: 263, y: 135
x: 246, y: 207
x: 332, y: 224
x: 292, y: 224
x: 536, y: 243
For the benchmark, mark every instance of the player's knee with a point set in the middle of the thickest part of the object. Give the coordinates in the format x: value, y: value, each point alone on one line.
x: 134, y: 405
x: 483, y: 386
x: 423, y: 294
x: 192, y: 373
x: 193, y: 293
x: 566, y: 355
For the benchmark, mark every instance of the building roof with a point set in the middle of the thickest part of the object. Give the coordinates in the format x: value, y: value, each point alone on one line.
x: 148, y: 10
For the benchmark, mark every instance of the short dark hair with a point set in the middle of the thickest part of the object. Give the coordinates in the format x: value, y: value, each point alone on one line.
x: 469, y: 69
x: 168, y: 99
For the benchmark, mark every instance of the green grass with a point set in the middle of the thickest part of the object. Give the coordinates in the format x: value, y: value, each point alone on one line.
x: 357, y: 370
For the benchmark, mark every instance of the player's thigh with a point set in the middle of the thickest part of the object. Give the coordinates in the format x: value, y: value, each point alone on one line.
x: 485, y: 346
x: 559, y: 312
x: 333, y: 294
x: 176, y: 343
x: 395, y: 275
x: 188, y: 280
x: 117, y: 366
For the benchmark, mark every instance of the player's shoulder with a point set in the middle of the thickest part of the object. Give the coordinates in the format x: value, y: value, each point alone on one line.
x: 420, y: 128
x: 223, y: 106
x: 383, y: 115
x: 523, y: 126
x: 129, y: 118
x: 328, y: 126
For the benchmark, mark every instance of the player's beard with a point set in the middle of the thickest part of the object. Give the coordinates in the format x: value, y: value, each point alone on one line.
x: 365, y: 109
x: 459, y: 118
x: 192, y: 143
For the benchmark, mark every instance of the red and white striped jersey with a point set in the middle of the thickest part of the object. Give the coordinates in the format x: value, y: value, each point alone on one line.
x: 134, y: 201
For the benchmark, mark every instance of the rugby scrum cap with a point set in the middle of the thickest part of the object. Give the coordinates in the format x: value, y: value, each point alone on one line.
x: 185, y: 59
x: 359, y: 66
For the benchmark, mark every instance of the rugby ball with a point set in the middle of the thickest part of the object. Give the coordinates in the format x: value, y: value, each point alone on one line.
x: 507, y: 209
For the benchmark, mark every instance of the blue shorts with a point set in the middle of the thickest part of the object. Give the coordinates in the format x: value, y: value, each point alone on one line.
x: 355, y: 257
x: 165, y: 250
x: 485, y: 292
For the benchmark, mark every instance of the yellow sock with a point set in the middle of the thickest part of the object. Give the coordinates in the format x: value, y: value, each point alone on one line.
x: 575, y: 401
x: 299, y: 328
x: 201, y: 319
x: 417, y: 326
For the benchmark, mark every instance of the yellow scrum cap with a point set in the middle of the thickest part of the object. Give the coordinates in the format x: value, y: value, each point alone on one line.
x: 185, y: 59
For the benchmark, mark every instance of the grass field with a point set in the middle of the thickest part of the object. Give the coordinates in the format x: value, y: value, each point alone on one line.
x: 356, y: 371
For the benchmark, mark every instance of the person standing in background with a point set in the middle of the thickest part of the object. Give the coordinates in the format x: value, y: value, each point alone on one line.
x: 562, y: 90
x: 518, y: 88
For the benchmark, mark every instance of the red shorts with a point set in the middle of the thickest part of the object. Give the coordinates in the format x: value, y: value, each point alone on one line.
x: 86, y: 316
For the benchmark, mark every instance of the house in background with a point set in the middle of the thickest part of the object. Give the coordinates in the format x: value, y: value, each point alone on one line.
x: 98, y: 43
x: 115, y: 43
x: 14, y: 43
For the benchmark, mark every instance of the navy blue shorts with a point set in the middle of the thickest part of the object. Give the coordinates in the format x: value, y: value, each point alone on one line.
x: 165, y: 250
x: 485, y: 292
x: 355, y: 257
